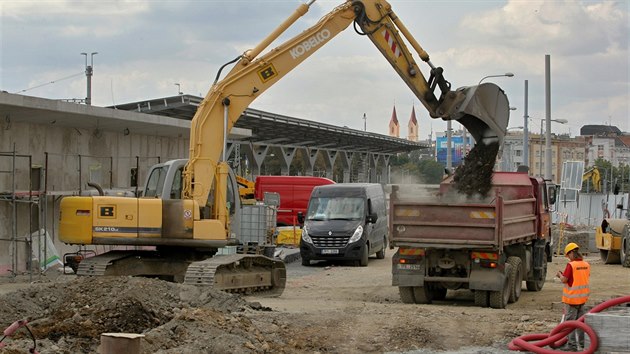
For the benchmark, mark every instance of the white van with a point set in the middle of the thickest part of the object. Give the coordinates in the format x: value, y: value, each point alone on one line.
x: 345, y: 221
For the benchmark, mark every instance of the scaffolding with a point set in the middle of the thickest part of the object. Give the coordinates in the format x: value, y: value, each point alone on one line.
x: 15, y: 197
x: 26, y: 188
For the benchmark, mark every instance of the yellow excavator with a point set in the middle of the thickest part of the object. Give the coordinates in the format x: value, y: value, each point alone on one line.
x: 246, y: 188
x: 189, y: 216
x: 592, y: 176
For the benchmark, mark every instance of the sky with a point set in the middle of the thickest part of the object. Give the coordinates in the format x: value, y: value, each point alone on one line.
x: 145, y: 47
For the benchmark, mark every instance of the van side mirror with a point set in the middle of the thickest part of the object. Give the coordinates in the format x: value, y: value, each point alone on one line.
x: 371, y: 218
x: 300, y: 217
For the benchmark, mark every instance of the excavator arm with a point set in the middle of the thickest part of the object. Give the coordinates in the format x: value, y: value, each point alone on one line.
x: 483, y: 109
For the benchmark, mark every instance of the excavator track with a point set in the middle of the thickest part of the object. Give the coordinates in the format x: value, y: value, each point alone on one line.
x: 240, y: 273
x: 97, y: 266
x: 235, y: 273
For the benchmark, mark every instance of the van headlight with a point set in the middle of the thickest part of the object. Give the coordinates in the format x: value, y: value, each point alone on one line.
x: 356, y: 236
x: 305, y: 236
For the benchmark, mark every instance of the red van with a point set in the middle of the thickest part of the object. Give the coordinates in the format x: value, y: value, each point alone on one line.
x: 294, y: 191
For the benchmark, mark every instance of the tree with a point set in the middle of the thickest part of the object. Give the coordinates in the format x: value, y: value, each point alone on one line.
x: 431, y: 170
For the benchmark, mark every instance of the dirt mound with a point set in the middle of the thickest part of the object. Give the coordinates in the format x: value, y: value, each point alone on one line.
x: 69, y: 317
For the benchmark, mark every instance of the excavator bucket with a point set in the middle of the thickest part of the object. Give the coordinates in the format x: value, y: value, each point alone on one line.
x: 484, y: 112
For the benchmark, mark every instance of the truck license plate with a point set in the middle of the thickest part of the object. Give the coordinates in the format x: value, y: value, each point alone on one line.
x: 408, y: 266
x: 330, y: 251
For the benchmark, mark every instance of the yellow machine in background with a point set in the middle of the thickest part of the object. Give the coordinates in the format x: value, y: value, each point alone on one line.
x: 246, y: 188
x: 594, y: 178
x: 612, y: 239
x: 189, y: 212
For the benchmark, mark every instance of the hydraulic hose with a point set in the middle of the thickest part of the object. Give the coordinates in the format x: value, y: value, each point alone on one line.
x: 557, y: 336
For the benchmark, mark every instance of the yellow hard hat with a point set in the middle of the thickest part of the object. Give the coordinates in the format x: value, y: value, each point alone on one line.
x: 570, y: 247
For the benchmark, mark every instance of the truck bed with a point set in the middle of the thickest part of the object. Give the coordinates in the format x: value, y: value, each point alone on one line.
x: 435, y: 222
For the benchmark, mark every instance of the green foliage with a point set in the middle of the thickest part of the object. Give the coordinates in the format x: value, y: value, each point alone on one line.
x: 432, y: 171
x: 408, y: 168
x: 612, y: 178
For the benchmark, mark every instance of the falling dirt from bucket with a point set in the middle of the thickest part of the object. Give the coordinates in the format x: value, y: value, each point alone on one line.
x: 474, y: 177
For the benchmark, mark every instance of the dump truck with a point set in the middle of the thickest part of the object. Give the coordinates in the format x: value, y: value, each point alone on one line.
x: 489, y: 245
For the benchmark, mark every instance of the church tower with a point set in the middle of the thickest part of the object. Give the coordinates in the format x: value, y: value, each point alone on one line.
x: 413, y: 126
x: 394, y: 127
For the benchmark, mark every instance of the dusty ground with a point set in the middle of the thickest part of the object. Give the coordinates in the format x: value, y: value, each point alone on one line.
x: 326, y: 308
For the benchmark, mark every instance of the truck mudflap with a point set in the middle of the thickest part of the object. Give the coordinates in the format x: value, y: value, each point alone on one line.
x: 237, y: 273
x: 240, y: 273
x: 408, y: 274
x: 486, y: 279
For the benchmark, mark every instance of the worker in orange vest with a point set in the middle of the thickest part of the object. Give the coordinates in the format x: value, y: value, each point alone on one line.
x: 575, y: 291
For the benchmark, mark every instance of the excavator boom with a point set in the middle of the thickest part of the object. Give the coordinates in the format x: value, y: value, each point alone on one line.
x: 483, y: 109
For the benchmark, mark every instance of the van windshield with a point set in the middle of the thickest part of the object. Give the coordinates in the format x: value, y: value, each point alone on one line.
x: 335, y: 208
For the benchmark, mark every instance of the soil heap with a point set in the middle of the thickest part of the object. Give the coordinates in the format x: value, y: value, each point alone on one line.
x: 474, y: 176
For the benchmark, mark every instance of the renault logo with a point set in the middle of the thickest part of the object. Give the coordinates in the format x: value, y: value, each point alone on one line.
x: 329, y: 233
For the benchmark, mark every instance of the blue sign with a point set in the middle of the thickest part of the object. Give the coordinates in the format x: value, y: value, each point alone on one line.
x: 457, y: 149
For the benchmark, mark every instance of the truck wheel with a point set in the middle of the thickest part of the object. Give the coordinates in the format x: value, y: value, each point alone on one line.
x: 363, y: 262
x: 422, y: 294
x: 499, y: 299
x: 481, y: 298
x: 406, y: 294
x: 381, y: 254
x: 438, y: 293
x: 537, y: 285
x: 516, y: 278
x: 624, y: 252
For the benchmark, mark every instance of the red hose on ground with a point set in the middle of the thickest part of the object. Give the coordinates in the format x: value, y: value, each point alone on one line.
x: 557, y: 336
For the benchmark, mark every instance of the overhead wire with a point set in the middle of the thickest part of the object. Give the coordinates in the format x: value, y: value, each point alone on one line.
x: 50, y: 82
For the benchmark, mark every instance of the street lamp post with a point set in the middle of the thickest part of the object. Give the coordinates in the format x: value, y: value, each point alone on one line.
x: 501, y: 75
x: 525, y: 130
x: 89, y: 70
x: 547, y: 143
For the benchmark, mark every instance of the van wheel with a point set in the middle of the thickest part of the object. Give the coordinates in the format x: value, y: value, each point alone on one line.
x: 363, y: 262
x: 306, y: 262
x: 381, y: 254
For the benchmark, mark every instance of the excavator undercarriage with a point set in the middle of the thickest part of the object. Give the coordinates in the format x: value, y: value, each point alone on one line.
x: 234, y: 273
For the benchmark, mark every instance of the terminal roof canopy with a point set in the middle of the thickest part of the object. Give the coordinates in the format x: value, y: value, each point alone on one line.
x: 171, y: 116
x: 264, y: 127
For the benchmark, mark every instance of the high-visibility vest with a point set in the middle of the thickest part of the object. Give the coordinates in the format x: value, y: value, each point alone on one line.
x: 578, y: 292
